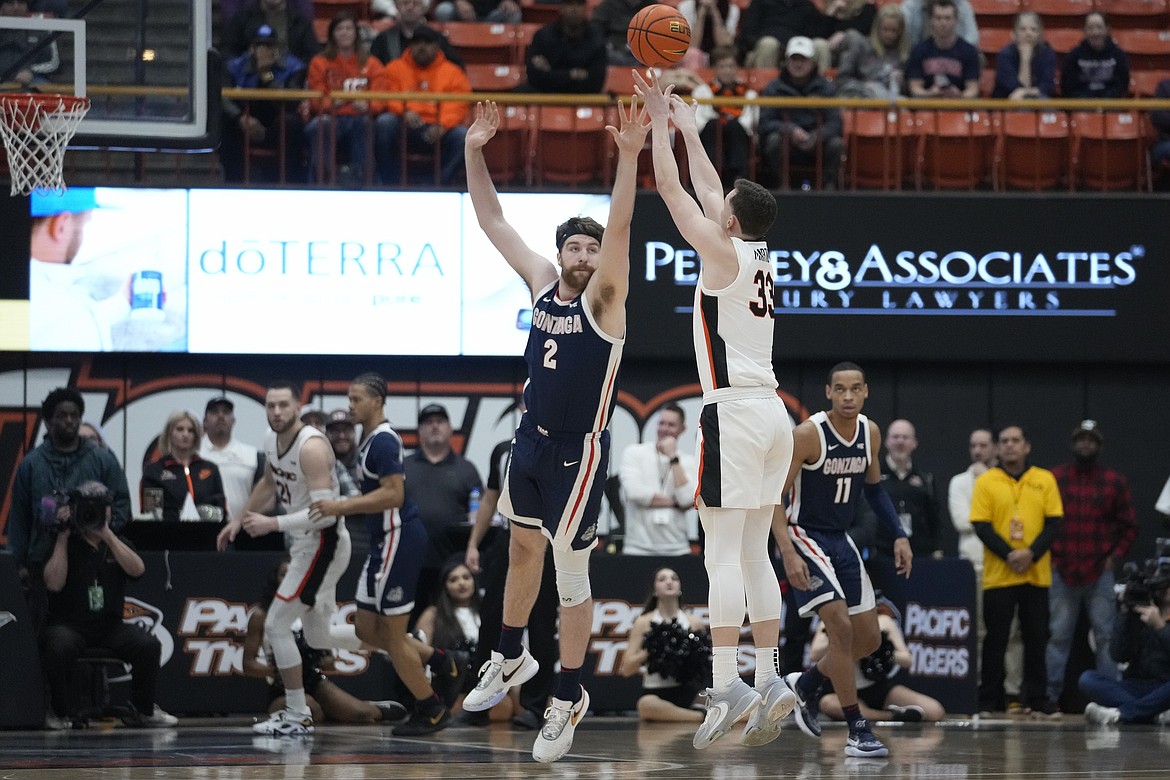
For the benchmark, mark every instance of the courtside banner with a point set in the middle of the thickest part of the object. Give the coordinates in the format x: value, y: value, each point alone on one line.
x: 932, y: 277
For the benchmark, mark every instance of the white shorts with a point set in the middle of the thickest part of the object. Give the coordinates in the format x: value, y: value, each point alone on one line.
x: 745, y: 448
x: 314, y: 570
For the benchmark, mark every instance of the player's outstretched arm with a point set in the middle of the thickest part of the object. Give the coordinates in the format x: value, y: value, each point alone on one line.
x: 611, y: 282
x: 535, y: 270
x: 704, y: 177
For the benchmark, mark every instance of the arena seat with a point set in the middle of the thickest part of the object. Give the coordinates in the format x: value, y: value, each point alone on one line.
x: 494, y: 78
x: 881, y: 148
x: 572, y: 146
x: 509, y: 154
x: 482, y: 42
x: 1066, y: 14
x: 995, y: 14
x: 1135, y: 14
x: 1033, y: 149
x: 1144, y: 82
x: 1109, y: 150
x: 956, y: 148
x: 1147, y: 49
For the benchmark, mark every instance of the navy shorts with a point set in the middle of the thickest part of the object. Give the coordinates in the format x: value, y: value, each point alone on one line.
x: 555, y: 483
x: 389, y: 579
x: 835, y: 571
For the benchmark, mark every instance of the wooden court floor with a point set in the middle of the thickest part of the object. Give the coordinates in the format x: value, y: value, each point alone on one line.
x: 612, y: 748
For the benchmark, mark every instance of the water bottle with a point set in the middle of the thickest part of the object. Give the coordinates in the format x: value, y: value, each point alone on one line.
x: 805, y: 186
x: 473, y: 504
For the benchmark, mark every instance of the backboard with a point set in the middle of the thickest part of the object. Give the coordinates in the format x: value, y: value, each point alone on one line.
x: 146, y: 67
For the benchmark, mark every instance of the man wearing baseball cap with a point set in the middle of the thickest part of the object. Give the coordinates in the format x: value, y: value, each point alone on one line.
x: 240, y: 465
x: 1098, y: 531
x: 64, y: 312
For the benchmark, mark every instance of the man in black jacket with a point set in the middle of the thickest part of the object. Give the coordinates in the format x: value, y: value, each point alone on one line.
x: 568, y: 55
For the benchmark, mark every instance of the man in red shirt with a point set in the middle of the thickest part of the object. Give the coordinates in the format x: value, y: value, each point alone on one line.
x: 426, y: 124
x: 1098, y: 530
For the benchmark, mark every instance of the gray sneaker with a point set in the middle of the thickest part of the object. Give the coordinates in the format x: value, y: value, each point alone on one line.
x: 496, y: 676
x: 764, y: 724
x: 724, y: 709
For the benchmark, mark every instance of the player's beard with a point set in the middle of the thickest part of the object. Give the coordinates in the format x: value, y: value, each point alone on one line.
x: 577, y: 276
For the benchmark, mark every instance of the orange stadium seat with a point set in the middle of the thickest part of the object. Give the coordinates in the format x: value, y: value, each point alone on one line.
x: 992, y: 14
x: 494, y: 78
x: 1063, y: 41
x: 881, y: 148
x: 956, y: 148
x: 509, y: 154
x: 992, y: 41
x: 572, y: 145
x: 1068, y: 14
x: 619, y: 81
x: 521, y: 37
x: 325, y: 9
x: 1147, y: 49
x: 1034, y: 149
x: 758, y: 78
x: 1144, y: 82
x: 1109, y: 150
x: 539, y: 13
x: 482, y: 42
x: 1122, y: 14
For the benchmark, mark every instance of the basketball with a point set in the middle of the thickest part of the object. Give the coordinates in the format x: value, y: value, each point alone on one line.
x: 658, y: 36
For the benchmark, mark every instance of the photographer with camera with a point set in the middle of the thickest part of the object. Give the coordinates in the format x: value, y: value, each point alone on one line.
x: 40, y: 490
x: 86, y: 579
x: 1141, y: 639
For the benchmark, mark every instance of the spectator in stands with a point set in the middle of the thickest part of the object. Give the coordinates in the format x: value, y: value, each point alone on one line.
x: 257, y: 124
x: 613, y: 18
x: 441, y: 483
x: 1098, y: 531
x: 16, y: 44
x: 344, y: 66
x: 179, y: 484
x: 850, y: 16
x: 422, y: 125
x: 875, y: 66
x: 1016, y: 513
x: 240, y: 465
x: 673, y: 665
x: 391, y: 43
x: 911, y: 488
x: 340, y: 430
x: 1160, y: 152
x: 1026, y: 67
x: 91, y: 431
x: 61, y: 462
x: 567, y: 56
x: 768, y: 25
x: 713, y: 25
x: 293, y: 27
x: 804, y: 135
x: 658, y: 480
x: 385, y: 9
x: 86, y: 579
x: 451, y: 623
x: 1097, y: 68
x: 500, y: 11
x: 918, y: 14
x: 878, y: 695
x: 943, y: 65
x: 315, y: 418
x: 726, y: 131
x: 325, y: 700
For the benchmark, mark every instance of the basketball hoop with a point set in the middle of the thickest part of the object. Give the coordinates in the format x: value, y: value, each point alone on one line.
x: 35, y: 130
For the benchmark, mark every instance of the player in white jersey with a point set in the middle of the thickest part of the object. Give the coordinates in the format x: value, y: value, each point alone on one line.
x: 745, y: 436
x: 299, y: 471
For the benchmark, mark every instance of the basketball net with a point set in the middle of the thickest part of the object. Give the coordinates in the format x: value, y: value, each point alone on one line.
x: 36, y: 129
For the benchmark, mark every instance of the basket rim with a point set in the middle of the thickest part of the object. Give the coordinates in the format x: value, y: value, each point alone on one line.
x: 42, y: 99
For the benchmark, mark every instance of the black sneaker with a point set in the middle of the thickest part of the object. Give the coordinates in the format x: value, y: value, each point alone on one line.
x: 421, y: 723
x: 447, y: 683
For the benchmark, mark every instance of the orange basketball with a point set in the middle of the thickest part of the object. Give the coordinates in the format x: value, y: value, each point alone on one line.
x: 658, y: 36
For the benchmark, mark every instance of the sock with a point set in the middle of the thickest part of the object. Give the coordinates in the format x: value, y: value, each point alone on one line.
x: 569, y: 685
x: 295, y: 700
x: 430, y: 705
x: 810, y: 682
x: 510, y: 640
x: 853, y: 717
x: 724, y: 668
x: 439, y: 662
x: 766, y: 665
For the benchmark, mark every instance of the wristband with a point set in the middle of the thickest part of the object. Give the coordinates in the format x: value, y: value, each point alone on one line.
x: 674, y: 461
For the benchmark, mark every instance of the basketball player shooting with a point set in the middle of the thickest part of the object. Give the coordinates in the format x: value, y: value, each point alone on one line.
x: 745, y: 437
x: 556, y: 475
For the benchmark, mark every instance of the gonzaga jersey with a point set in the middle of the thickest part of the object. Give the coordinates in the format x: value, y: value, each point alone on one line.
x: 380, y: 455
x: 572, y: 366
x: 825, y: 493
x: 733, y: 327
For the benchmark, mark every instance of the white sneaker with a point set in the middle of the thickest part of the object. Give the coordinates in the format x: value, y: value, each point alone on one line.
x: 724, y: 709
x: 764, y: 724
x: 1095, y: 713
x: 560, y: 721
x: 55, y: 722
x: 496, y: 676
x: 285, y: 722
x: 1163, y: 718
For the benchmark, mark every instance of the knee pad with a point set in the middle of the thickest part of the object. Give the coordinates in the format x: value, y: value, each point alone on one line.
x: 572, y: 576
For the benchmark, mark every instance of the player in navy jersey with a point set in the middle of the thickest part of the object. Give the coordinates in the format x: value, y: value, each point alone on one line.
x: 745, y: 435
x: 557, y: 472
x: 834, y: 462
x: 398, y: 545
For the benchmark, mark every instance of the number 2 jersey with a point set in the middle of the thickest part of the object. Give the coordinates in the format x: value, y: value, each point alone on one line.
x: 826, y: 492
x: 733, y: 329
x: 572, y: 366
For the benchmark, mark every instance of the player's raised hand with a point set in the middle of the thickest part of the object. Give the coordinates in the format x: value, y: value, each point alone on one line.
x: 487, y: 120
x: 656, y: 98
x: 682, y: 113
x: 635, y: 123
